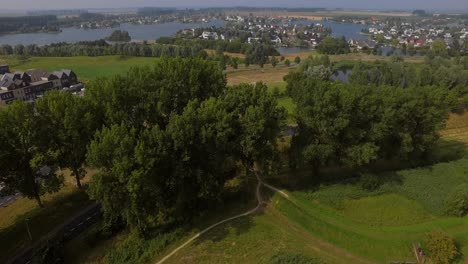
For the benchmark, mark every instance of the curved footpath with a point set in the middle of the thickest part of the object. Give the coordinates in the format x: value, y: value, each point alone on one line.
x: 259, y: 204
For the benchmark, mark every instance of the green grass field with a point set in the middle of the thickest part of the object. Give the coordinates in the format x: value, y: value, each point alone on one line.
x: 362, y: 227
x: 87, y: 68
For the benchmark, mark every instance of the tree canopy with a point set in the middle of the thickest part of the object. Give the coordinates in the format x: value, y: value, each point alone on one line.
x: 28, y: 165
x: 354, y: 125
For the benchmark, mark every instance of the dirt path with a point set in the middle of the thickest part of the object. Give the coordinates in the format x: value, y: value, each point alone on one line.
x: 259, y: 204
x: 319, y: 245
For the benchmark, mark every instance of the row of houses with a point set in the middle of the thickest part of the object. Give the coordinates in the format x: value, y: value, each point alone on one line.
x: 32, y: 84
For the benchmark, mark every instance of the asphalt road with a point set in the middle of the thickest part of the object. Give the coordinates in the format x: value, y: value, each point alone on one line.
x: 4, y: 201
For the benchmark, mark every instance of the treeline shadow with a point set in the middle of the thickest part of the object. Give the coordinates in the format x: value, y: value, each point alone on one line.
x: 306, y: 178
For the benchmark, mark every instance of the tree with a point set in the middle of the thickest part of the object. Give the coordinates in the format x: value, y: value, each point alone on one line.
x: 112, y: 153
x: 419, y: 12
x: 274, y: 61
x: 336, y: 123
x: 287, y: 63
x: 27, y: 164
x: 257, y: 125
x: 73, y: 125
x: 148, y: 96
x: 442, y: 248
x: 234, y: 63
x: 119, y: 35
x: 333, y: 46
x: 456, y: 203
x: 297, y: 60
x: 203, y: 141
x: 354, y: 125
x: 439, y: 48
x: 258, y: 53
x: 154, y: 176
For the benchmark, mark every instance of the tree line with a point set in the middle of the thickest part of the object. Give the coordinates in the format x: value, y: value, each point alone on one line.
x: 25, y: 23
x: 451, y: 74
x: 236, y: 46
x: 102, y: 48
x: 353, y: 125
x: 255, y: 54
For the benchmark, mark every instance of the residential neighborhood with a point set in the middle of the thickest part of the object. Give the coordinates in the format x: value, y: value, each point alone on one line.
x: 32, y: 84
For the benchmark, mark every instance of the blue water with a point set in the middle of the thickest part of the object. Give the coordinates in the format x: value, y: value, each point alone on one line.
x: 348, y: 30
x: 341, y: 75
x: 71, y: 35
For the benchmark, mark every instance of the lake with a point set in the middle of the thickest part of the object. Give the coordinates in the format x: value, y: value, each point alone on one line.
x: 155, y: 31
x: 71, y: 35
x: 342, y: 75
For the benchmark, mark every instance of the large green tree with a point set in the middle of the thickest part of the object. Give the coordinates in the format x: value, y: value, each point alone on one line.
x: 28, y: 166
x: 73, y: 124
x: 148, y: 96
x: 157, y: 176
x: 352, y: 125
x: 258, y: 122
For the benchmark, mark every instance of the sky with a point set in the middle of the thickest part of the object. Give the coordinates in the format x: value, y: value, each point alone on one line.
x: 362, y: 4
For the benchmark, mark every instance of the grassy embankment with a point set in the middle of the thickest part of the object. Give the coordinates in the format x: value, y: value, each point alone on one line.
x: 59, y: 207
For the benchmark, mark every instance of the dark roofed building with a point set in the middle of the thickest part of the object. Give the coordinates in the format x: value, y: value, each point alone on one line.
x: 4, y: 69
x: 37, y: 74
x: 67, y: 77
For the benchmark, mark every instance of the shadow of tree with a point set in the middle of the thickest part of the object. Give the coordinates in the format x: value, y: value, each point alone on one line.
x: 40, y: 221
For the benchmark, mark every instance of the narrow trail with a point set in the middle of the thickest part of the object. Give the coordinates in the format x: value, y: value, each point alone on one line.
x: 259, y: 204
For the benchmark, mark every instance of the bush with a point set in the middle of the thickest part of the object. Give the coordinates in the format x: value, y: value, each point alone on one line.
x: 456, y: 203
x: 370, y: 182
x: 441, y: 247
x: 291, y: 258
x: 48, y: 252
x: 135, y: 249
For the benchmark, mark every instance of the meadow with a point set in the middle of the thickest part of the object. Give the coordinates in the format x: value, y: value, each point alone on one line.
x: 87, y: 68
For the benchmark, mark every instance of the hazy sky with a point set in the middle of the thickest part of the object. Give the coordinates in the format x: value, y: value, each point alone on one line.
x: 368, y: 4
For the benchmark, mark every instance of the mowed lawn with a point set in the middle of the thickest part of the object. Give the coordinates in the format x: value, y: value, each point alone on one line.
x: 87, y: 68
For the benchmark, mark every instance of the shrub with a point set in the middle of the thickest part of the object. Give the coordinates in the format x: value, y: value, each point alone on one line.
x: 135, y: 249
x: 48, y: 252
x: 441, y: 247
x: 369, y: 182
x: 291, y: 258
x: 456, y: 203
